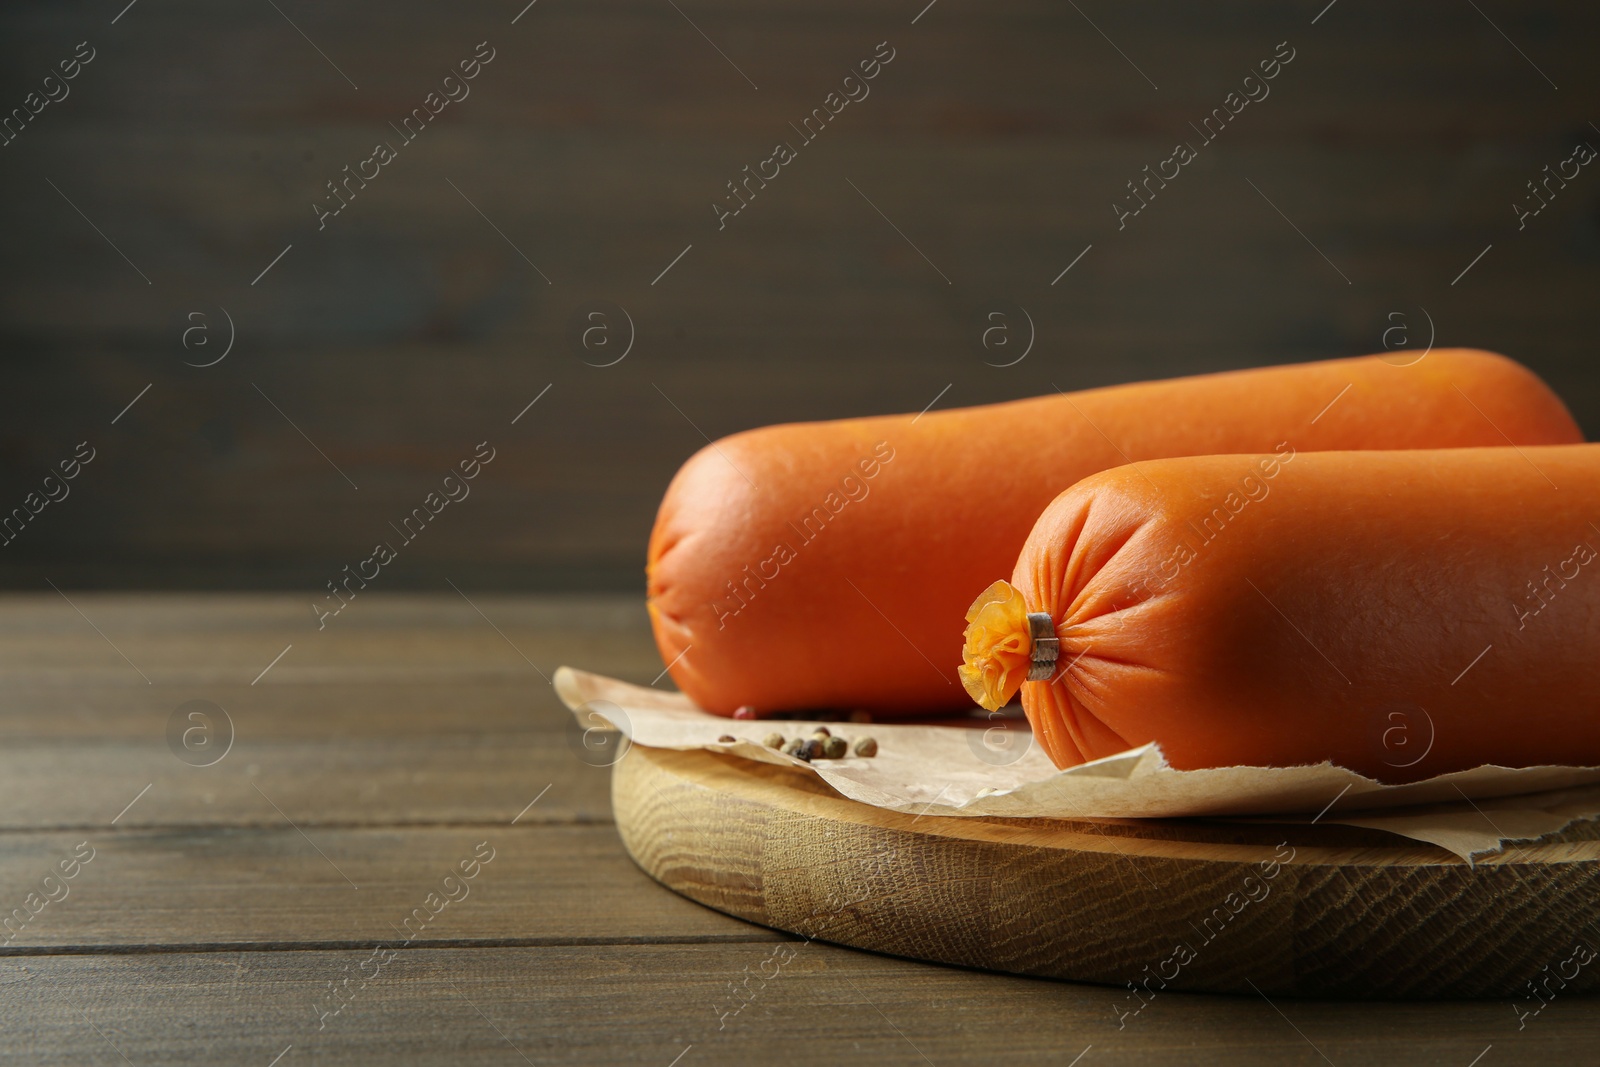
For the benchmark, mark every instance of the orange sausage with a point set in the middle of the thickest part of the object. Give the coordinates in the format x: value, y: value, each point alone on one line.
x: 1402, y: 614
x: 830, y: 564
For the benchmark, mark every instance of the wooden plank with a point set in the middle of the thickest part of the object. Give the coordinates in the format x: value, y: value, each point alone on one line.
x: 478, y: 779
x: 572, y: 75
x: 648, y: 1004
x: 233, y: 887
x: 406, y: 711
x: 596, y: 142
x: 25, y: 615
x: 209, y: 641
x: 1375, y: 222
x: 276, y: 710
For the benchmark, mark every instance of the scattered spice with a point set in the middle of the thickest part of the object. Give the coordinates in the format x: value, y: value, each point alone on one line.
x: 821, y: 731
x: 744, y: 711
x: 821, y: 745
x: 725, y: 739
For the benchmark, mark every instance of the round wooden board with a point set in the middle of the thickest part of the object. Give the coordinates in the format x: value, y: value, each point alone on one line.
x: 1181, y: 904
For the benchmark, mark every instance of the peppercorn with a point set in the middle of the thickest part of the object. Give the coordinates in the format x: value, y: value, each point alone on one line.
x: 867, y: 747
x: 793, y: 747
x: 835, y: 748
x: 820, y: 732
x: 725, y: 739
x: 773, y: 741
x: 811, y: 750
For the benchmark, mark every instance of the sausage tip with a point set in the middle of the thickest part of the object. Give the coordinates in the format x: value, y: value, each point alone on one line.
x: 999, y: 646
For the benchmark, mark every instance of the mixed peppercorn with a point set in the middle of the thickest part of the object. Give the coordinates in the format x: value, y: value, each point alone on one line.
x: 822, y: 744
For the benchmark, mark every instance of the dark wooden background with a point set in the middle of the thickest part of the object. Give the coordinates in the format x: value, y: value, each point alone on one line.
x: 597, y: 139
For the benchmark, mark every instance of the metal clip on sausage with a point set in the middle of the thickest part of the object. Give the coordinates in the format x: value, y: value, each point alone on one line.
x: 1046, y: 646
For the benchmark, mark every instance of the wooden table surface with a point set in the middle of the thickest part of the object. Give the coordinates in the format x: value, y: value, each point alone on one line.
x: 225, y: 911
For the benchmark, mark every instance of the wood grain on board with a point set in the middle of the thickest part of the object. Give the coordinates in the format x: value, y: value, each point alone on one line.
x: 1297, y: 910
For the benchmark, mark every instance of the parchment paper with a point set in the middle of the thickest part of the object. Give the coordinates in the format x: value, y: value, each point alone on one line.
x: 950, y: 771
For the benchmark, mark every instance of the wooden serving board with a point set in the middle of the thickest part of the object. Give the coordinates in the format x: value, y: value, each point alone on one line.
x: 1289, y: 909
